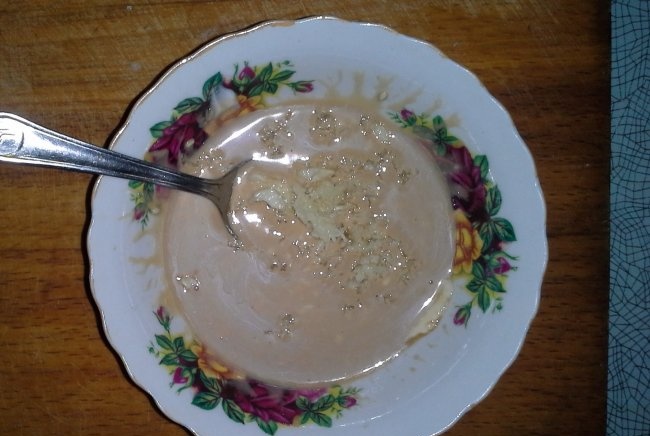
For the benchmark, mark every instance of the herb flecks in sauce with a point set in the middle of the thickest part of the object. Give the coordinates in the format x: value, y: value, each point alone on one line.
x: 345, y: 236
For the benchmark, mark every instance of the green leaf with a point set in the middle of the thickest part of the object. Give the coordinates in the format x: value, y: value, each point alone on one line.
x: 268, y: 427
x: 256, y: 90
x: 493, y: 200
x: 503, y: 229
x: 210, y: 84
x: 188, y: 105
x: 206, y: 400
x: 303, y: 403
x: 210, y: 383
x: 478, y: 271
x: 135, y: 184
x: 179, y: 344
x: 157, y: 129
x: 148, y: 189
x: 265, y: 74
x: 450, y: 139
x: 475, y: 285
x: 398, y: 119
x: 321, y: 419
x: 305, y: 417
x: 494, y: 284
x: 169, y: 359
x: 164, y: 342
x: 188, y: 356
x: 492, y: 260
x: 233, y: 411
x: 438, y: 123
x: 481, y: 161
x: 270, y: 87
x: 282, y: 76
x: 484, y: 300
x: 323, y: 403
x: 486, y: 232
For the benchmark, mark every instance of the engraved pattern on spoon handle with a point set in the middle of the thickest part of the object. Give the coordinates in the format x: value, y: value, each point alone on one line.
x: 10, y: 139
x: 24, y: 142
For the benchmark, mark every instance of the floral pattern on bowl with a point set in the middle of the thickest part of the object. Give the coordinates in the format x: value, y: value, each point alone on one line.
x: 481, y: 236
x: 185, y: 132
x: 243, y: 400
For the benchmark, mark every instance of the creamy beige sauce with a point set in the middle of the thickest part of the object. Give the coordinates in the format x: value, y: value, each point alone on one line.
x: 345, y: 235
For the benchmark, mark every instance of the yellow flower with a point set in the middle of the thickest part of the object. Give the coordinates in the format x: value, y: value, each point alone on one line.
x: 468, y: 244
x: 244, y: 105
x: 249, y: 104
x: 209, y: 364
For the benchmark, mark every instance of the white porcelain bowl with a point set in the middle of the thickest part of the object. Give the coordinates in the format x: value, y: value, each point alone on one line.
x: 439, y: 377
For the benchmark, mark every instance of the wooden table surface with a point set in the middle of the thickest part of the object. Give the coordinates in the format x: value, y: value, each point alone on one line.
x: 76, y: 66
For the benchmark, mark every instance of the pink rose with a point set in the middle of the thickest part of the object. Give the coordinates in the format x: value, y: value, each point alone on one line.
x: 265, y: 402
x: 178, y: 377
x: 302, y: 86
x: 246, y: 73
x: 462, y: 315
x: 468, y: 176
x: 138, y: 212
x: 503, y: 266
x: 182, y: 136
x: 347, y: 401
x: 311, y: 394
x: 408, y: 116
x: 163, y: 317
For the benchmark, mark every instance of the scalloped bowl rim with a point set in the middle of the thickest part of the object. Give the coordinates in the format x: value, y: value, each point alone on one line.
x: 95, y: 259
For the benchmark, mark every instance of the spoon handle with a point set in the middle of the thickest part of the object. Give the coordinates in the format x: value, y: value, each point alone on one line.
x: 24, y: 142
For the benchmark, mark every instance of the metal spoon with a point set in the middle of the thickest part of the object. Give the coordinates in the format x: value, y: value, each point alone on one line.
x: 24, y: 142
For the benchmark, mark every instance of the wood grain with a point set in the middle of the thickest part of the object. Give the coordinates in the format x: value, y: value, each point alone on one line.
x: 77, y: 66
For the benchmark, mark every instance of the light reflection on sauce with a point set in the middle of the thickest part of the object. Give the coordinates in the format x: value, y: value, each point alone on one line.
x: 344, y: 238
